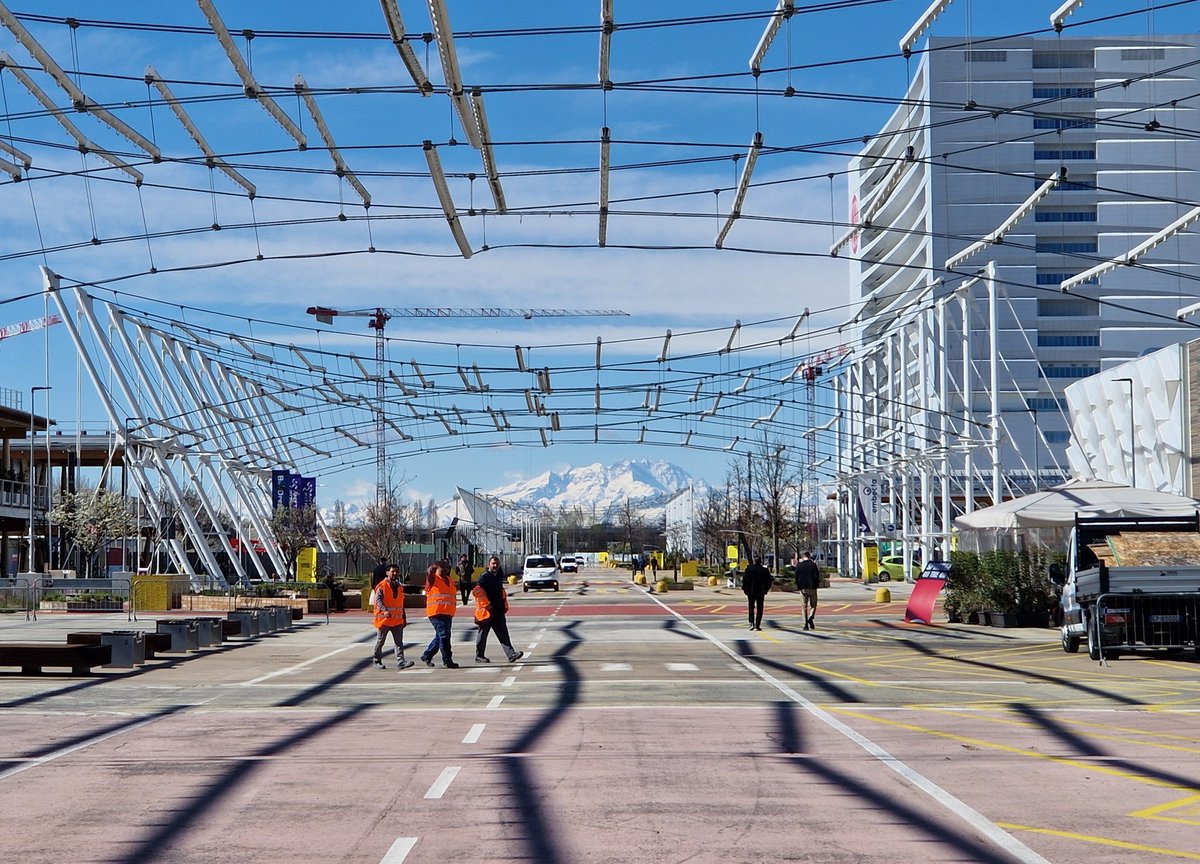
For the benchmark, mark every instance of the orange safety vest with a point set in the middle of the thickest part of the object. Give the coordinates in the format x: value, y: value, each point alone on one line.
x: 440, y: 597
x: 483, y: 606
x: 389, y: 605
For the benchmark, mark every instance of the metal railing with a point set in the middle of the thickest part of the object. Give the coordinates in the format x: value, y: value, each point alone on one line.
x: 1134, y: 621
x: 83, y: 595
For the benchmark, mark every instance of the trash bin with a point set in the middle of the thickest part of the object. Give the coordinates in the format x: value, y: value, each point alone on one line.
x: 248, y: 619
x: 183, y: 632
x: 128, y: 648
x: 209, y: 632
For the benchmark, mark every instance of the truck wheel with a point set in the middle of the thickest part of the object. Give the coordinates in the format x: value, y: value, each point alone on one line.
x: 1070, y: 643
x: 1093, y: 650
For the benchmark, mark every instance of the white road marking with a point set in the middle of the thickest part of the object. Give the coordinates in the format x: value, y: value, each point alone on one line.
x: 67, y: 751
x: 532, y: 645
x: 399, y: 850
x: 474, y: 735
x: 289, y: 670
x: 682, y: 667
x: 518, y: 667
x: 959, y: 808
x: 442, y: 783
x: 495, y: 703
x: 616, y: 667
x: 509, y: 681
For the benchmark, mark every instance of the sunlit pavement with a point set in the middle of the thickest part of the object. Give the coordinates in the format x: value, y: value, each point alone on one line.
x: 639, y: 727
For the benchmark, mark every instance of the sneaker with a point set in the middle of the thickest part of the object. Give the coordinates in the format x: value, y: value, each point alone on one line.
x: 449, y: 664
x: 378, y: 664
x: 482, y: 660
x: 428, y: 661
x: 517, y: 655
x: 404, y: 664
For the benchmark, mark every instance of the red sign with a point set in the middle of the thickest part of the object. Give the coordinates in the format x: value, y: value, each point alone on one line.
x: 925, y: 593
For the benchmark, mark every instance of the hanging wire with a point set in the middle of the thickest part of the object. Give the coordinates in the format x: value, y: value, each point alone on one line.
x: 257, y: 243
x: 146, y: 230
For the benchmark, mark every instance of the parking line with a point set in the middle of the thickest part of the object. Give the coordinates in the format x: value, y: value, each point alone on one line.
x: 442, y: 783
x: 474, y: 735
x: 509, y: 681
x: 495, y: 703
x: 398, y: 850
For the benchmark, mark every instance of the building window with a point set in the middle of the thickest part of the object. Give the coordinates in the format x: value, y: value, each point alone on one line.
x: 1079, y: 183
x: 1065, y: 215
x: 1063, y: 93
x: 1057, y: 437
x: 1063, y: 123
x: 1071, y: 246
x: 1064, y: 155
x: 1063, y: 60
x: 1066, y: 307
x: 987, y: 56
x: 1073, y: 371
x: 1068, y: 340
x: 1045, y: 403
x: 1059, y: 278
x: 1131, y: 54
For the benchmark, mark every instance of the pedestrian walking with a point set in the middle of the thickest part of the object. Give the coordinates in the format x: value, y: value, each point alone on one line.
x: 808, y: 580
x: 491, y: 606
x: 464, y: 573
x: 337, y: 597
x: 440, y: 604
x: 756, y: 582
x: 390, y: 617
x: 379, y: 573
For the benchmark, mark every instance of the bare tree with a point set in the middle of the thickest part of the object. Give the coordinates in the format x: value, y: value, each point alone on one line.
x: 777, y: 481
x: 294, y: 528
x: 384, y: 524
x: 346, y: 536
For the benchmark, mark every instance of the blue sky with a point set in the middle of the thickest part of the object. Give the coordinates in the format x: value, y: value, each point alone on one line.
x: 682, y: 114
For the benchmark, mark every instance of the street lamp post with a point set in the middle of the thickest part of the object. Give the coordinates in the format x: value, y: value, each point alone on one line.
x: 1132, y: 444
x: 32, y: 553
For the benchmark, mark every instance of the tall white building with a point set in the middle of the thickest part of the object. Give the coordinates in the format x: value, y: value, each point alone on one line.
x: 983, y: 126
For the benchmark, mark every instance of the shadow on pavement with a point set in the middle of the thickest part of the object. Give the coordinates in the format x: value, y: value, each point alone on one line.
x: 745, y: 649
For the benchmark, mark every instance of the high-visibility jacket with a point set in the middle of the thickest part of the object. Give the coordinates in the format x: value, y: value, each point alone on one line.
x: 483, y: 606
x: 440, y: 596
x: 389, y: 605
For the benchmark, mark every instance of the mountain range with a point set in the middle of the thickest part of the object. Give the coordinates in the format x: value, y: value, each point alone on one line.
x: 604, y: 489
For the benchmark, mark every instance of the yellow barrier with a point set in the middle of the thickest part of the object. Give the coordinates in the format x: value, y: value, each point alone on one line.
x: 152, y: 592
x: 883, y: 595
x: 689, y: 569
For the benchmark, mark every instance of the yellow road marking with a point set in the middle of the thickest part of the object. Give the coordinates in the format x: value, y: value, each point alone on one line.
x: 1157, y: 810
x: 1098, y: 736
x: 1006, y: 748
x: 1101, y: 841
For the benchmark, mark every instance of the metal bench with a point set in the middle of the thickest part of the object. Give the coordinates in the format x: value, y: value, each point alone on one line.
x: 33, y: 656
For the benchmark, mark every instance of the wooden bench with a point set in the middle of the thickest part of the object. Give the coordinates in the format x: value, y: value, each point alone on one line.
x: 32, y: 656
x: 156, y: 643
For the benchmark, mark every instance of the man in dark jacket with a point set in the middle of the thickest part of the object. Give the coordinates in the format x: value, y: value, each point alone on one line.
x: 808, y: 579
x: 756, y: 582
x: 489, y: 615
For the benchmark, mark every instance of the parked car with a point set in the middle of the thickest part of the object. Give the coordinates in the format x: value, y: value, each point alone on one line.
x: 539, y: 571
x: 568, y: 564
x: 893, y: 567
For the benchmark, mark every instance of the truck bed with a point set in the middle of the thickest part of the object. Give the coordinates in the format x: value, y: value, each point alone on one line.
x: 1090, y: 584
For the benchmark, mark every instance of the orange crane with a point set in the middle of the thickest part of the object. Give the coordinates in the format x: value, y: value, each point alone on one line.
x: 380, y: 316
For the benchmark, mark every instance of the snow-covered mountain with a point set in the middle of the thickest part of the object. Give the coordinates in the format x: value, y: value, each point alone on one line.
x: 603, y: 489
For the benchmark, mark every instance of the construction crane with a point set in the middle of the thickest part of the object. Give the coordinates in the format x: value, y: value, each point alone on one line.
x: 380, y: 316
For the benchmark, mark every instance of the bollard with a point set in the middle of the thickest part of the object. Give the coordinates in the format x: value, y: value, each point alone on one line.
x: 883, y: 595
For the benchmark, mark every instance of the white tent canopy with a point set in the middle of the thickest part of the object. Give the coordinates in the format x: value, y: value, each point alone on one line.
x: 1057, y: 507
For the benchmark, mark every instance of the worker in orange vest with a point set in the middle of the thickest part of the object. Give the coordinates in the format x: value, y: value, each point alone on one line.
x: 390, y: 617
x: 491, y: 604
x: 440, y: 602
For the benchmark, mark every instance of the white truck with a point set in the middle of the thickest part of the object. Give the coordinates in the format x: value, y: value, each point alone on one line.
x: 1132, y: 584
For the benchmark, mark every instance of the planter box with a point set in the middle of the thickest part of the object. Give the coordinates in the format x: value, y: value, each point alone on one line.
x: 681, y: 586
x: 1002, y: 619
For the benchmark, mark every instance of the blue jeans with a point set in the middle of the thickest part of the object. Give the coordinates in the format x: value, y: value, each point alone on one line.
x: 441, y: 638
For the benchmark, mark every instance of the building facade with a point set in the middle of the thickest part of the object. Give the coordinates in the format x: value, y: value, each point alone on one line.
x: 1011, y: 166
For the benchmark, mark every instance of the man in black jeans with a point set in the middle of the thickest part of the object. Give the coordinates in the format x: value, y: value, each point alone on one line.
x: 808, y: 580
x: 756, y: 582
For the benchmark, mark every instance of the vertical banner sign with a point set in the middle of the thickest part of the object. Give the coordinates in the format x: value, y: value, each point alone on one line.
x: 281, y: 489
x: 308, y: 492
x: 308, y: 497
x: 294, y: 486
x: 868, y: 504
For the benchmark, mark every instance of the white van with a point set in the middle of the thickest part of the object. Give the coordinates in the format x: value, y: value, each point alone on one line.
x: 540, y: 571
x: 568, y: 564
